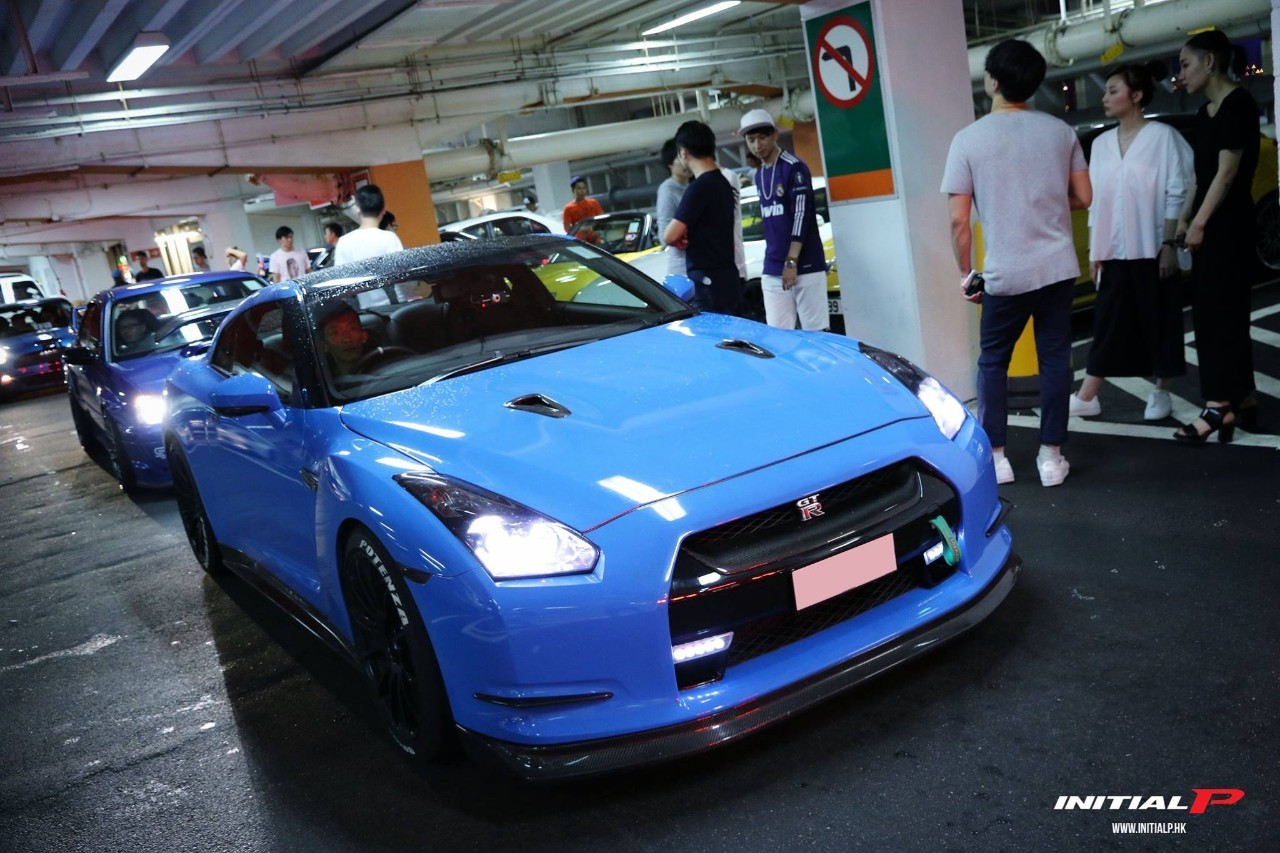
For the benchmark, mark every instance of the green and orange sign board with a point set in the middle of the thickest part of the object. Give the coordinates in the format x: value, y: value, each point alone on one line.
x: 850, y: 104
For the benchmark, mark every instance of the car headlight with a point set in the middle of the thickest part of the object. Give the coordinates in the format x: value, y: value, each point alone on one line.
x: 510, y: 541
x: 948, y: 412
x: 4, y: 355
x: 150, y: 409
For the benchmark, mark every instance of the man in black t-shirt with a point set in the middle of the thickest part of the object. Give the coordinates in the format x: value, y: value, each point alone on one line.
x: 703, y: 224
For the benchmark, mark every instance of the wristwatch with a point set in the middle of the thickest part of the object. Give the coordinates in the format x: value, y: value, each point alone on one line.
x: 789, y: 263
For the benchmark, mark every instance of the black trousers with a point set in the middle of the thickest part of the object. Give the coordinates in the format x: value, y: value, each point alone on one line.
x: 1220, y: 314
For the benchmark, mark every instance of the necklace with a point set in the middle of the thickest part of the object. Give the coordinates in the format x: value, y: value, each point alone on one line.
x: 773, y: 176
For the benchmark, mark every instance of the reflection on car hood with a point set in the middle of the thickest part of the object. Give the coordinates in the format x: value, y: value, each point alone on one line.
x: 146, y: 374
x: 37, y: 341
x: 653, y: 413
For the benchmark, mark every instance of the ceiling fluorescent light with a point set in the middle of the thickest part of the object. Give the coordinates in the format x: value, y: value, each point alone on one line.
x: 147, y: 48
x: 691, y: 17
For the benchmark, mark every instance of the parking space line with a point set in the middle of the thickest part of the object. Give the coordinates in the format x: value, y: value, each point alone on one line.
x: 1243, y: 439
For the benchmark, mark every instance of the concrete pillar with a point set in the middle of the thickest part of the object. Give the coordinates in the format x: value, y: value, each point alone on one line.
x: 408, y: 195
x: 551, y: 183
x: 224, y: 225
x: 897, y: 276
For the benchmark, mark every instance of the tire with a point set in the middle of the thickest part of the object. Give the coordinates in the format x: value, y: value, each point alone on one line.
x: 84, y: 432
x: 1267, y: 214
x: 194, y: 519
x: 394, y: 651
x: 118, y: 459
x: 753, y: 301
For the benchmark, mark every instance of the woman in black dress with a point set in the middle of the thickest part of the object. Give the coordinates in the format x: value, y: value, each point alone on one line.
x: 1218, y: 226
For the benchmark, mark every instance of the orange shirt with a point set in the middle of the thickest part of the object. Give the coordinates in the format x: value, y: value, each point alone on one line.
x: 585, y: 209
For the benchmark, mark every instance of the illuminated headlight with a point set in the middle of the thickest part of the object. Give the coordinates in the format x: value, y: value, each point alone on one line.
x: 701, y: 648
x: 150, y: 409
x: 948, y: 412
x: 4, y: 356
x: 510, y: 541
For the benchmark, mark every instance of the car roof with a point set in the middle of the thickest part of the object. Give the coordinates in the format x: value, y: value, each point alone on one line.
x: 496, y: 215
x: 158, y: 284
x: 32, y: 303
x: 332, y: 282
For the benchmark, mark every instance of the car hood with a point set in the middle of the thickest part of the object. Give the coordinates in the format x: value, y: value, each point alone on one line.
x: 651, y: 414
x: 37, y: 341
x: 146, y: 374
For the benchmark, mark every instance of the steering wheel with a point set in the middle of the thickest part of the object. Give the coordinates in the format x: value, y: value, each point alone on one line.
x: 371, y: 361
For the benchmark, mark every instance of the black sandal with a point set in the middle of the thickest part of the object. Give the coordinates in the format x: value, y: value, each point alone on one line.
x: 1216, y: 418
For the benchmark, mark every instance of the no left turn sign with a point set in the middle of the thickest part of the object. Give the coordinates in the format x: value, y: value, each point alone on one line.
x: 843, y: 62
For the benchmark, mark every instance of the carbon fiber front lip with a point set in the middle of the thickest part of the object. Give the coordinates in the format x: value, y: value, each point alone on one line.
x: 606, y: 755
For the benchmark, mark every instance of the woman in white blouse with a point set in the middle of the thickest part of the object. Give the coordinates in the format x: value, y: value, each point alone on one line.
x: 1140, y: 171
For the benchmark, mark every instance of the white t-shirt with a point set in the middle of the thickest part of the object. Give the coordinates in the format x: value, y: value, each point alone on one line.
x: 1133, y: 195
x: 1017, y: 166
x: 739, y: 250
x: 288, y: 264
x: 362, y: 244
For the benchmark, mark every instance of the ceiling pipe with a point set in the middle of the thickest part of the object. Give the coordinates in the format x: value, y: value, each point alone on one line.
x: 598, y: 141
x: 1083, y: 40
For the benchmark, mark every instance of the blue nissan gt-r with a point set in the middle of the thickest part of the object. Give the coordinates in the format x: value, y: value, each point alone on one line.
x: 127, y: 341
x: 33, y: 334
x: 580, y: 534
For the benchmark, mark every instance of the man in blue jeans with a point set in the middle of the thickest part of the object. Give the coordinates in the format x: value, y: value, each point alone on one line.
x: 1023, y: 172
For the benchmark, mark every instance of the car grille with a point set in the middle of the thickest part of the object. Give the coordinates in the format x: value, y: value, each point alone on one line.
x: 737, y: 576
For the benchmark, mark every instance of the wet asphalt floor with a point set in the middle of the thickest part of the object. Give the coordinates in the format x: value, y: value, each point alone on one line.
x: 147, y: 707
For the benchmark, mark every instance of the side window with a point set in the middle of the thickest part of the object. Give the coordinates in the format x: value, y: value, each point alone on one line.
x: 258, y: 341
x: 820, y: 203
x: 90, y: 334
x: 481, y: 230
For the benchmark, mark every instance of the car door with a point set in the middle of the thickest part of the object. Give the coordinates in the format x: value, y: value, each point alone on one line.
x: 259, y: 495
x: 86, y: 382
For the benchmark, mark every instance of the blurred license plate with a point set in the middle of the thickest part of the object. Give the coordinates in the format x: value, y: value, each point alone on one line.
x: 846, y: 570
x: 833, y: 306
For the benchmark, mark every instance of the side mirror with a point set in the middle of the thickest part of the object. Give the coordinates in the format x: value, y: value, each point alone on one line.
x: 77, y: 355
x: 246, y: 394
x: 680, y: 285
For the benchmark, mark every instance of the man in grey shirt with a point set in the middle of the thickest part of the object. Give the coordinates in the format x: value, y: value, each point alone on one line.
x: 670, y: 192
x: 1023, y: 172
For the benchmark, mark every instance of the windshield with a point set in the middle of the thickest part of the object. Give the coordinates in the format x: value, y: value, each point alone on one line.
x: 510, y: 304
x: 34, y: 317
x: 616, y: 234
x: 137, y: 319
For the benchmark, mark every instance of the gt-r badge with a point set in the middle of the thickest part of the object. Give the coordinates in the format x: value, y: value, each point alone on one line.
x: 809, y: 507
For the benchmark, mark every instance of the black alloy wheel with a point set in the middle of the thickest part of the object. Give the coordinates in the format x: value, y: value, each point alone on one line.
x: 194, y: 520
x: 118, y: 459
x: 394, y: 650
x: 1267, y: 212
x: 84, y: 432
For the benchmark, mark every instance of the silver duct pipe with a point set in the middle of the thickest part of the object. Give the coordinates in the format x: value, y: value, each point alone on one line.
x: 1083, y: 40
x: 522, y: 152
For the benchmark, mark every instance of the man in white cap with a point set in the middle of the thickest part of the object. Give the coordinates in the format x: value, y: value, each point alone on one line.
x: 794, y: 282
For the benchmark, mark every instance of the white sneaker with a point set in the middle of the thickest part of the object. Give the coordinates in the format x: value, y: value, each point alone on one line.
x: 1159, y: 405
x: 1004, y: 471
x: 1053, y: 469
x: 1084, y: 409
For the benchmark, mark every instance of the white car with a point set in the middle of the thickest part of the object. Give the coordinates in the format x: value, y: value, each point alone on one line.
x: 16, y: 287
x: 504, y: 223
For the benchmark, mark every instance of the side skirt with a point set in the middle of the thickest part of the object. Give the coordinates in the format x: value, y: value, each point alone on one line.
x: 301, y: 611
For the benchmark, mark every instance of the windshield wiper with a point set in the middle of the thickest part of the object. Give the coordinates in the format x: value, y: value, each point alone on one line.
x: 671, y: 317
x: 506, y: 357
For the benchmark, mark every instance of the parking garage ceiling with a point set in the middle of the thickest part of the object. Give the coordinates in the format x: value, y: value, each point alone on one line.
x: 455, y: 59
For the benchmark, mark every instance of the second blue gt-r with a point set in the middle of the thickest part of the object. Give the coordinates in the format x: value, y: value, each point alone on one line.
x: 128, y: 340
x: 580, y: 534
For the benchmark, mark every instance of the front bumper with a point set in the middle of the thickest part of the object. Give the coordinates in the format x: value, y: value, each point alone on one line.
x: 605, y: 755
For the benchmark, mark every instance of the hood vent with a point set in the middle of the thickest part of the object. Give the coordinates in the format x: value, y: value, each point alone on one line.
x: 539, y: 405
x: 745, y: 347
